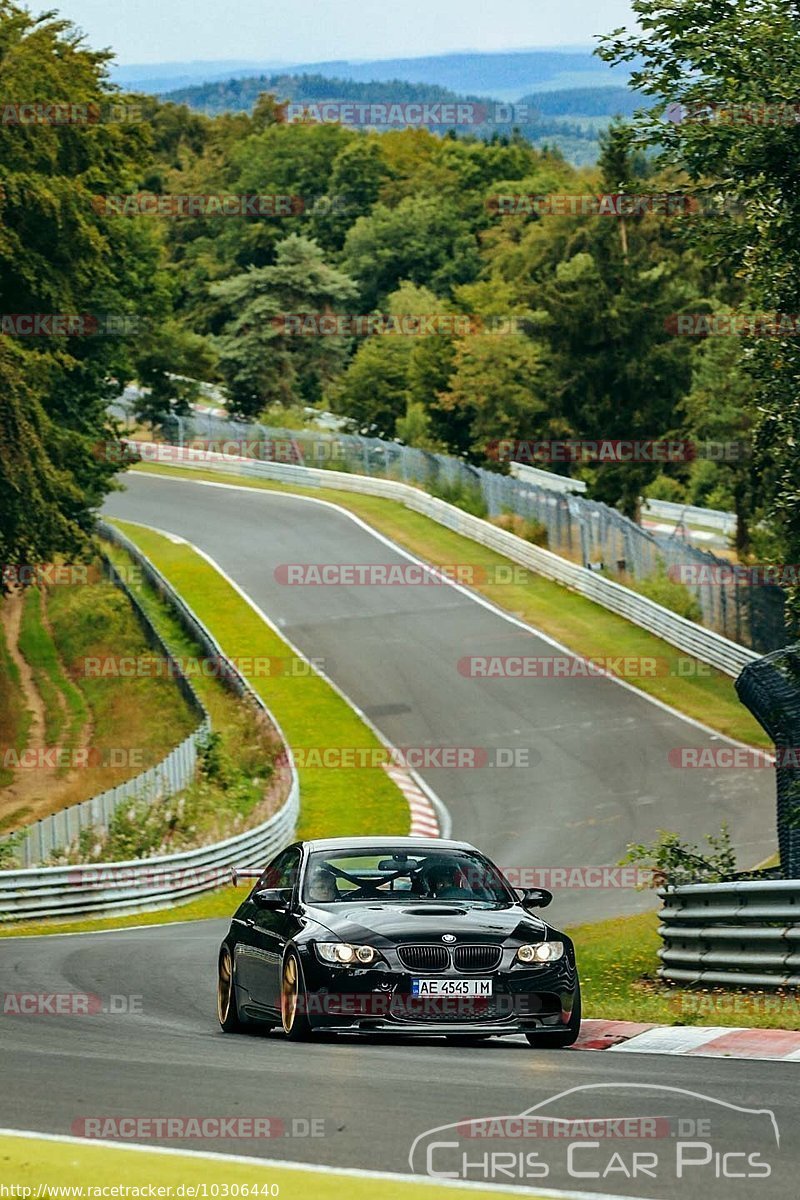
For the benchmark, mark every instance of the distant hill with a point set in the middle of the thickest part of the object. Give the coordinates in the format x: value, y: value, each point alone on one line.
x: 504, y: 76
x: 239, y: 95
x: 588, y: 102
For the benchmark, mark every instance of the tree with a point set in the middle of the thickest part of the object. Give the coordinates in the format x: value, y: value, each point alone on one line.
x: 497, y: 386
x: 42, y: 512
x: 374, y: 390
x: 261, y: 360
x: 726, y: 77
x: 168, y: 393
x: 598, y: 300
x: 61, y: 254
x: 421, y: 240
x: 355, y: 182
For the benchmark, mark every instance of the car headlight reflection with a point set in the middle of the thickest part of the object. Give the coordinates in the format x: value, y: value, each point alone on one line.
x: 540, y: 952
x: 342, y: 954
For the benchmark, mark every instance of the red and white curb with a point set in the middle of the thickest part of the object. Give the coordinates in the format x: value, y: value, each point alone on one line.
x: 424, y: 818
x: 702, y: 1041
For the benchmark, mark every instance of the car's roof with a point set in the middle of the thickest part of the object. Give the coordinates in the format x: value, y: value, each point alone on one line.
x: 385, y: 843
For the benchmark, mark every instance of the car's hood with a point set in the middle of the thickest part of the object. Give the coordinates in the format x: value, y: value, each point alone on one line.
x: 427, y: 921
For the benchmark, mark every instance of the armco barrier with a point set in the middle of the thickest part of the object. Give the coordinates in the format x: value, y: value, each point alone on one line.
x: 745, y: 933
x: 143, y: 883
x: 711, y: 518
x: 99, y: 888
x: 693, y: 639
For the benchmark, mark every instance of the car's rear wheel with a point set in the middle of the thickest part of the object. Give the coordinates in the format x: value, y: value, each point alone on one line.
x: 227, y: 1010
x: 564, y: 1037
x: 294, y: 1016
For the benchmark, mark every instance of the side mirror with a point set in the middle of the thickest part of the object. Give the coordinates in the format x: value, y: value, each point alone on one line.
x: 274, y: 899
x: 535, y: 897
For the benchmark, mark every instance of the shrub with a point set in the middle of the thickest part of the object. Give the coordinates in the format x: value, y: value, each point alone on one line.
x: 669, y: 593
x: 674, y: 862
x: 467, y: 496
x: 527, y: 528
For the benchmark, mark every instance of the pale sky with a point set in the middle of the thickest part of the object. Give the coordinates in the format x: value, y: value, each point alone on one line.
x: 149, y: 31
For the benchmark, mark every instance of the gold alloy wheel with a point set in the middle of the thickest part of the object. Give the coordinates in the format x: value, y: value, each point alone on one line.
x: 289, y: 989
x: 224, y: 987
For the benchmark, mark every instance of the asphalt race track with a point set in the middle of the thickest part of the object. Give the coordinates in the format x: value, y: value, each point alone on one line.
x: 599, y: 778
x: 598, y: 774
x: 374, y: 1097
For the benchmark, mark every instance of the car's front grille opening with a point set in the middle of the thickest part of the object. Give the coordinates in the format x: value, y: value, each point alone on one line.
x: 477, y: 958
x: 453, y: 1010
x: 424, y: 958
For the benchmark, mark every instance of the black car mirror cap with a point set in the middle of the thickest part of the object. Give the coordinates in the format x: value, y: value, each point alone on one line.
x: 535, y: 897
x: 272, y: 898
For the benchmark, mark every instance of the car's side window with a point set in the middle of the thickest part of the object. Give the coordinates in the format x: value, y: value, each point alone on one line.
x: 282, y: 871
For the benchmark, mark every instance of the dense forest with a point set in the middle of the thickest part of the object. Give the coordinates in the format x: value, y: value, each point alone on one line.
x: 571, y: 315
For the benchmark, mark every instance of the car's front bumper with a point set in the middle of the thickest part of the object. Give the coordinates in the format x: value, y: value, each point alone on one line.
x: 379, y: 1000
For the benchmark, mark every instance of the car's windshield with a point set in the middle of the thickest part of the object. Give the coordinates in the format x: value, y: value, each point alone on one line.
x: 344, y: 876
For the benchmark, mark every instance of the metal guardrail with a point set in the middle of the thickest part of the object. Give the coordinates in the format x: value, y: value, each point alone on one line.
x: 150, y: 883
x: 36, y: 843
x: 693, y: 639
x: 711, y: 518
x: 99, y: 888
x: 546, y: 479
x: 743, y: 933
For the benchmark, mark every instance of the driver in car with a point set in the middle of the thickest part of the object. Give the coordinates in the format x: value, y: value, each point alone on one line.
x: 322, y: 887
x: 446, y: 881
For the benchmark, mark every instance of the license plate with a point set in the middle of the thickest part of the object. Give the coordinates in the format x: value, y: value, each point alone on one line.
x: 451, y: 987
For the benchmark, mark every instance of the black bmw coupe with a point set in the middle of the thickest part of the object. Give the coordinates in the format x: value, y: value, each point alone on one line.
x: 396, y: 936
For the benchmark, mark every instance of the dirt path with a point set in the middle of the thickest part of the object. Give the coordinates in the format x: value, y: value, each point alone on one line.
x: 12, y: 619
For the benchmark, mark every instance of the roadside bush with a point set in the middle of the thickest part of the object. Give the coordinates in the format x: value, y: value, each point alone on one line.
x: 469, y: 497
x: 673, y: 861
x: 669, y: 593
x: 526, y: 528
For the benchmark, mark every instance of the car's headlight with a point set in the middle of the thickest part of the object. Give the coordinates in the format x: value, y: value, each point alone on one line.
x: 342, y: 954
x: 540, y: 952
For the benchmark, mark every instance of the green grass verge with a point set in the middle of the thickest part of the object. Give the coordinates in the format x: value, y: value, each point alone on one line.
x: 29, y: 1163
x: 15, y: 719
x: 96, y: 621
x: 584, y: 627
x: 341, y: 801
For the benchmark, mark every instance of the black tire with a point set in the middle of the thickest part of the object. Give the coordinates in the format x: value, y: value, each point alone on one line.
x: 294, y: 1009
x: 566, y: 1036
x: 227, y: 1008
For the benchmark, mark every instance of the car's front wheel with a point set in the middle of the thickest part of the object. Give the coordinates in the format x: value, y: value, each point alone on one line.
x: 294, y: 1006
x: 227, y: 1010
x: 564, y: 1037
